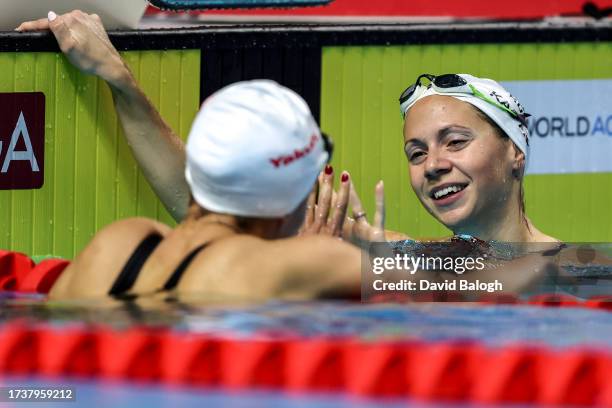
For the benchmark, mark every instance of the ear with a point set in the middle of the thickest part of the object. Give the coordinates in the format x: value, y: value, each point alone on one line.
x: 194, y: 211
x: 518, y: 162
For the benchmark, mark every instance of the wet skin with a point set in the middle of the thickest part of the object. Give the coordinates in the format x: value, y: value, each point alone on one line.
x: 449, y: 145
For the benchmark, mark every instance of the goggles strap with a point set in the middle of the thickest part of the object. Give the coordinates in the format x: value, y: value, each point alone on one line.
x: 485, y: 98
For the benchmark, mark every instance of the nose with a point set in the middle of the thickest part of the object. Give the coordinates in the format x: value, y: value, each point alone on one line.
x: 436, y: 165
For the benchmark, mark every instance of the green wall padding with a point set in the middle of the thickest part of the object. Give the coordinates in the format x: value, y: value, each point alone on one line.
x: 359, y: 109
x: 91, y: 178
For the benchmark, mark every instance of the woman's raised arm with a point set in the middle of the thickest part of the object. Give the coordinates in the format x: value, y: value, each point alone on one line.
x: 157, y: 149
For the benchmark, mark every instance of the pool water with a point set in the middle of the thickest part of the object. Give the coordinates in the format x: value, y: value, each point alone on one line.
x: 493, y: 325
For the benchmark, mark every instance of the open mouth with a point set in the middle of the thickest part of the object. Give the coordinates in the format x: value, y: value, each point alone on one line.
x: 446, y: 191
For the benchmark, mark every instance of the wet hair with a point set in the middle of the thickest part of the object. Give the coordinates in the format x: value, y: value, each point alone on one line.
x: 242, y: 223
x: 501, y: 133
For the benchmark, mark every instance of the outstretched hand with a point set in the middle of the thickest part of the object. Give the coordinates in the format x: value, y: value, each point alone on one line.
x: 326, y: 209
x: 83, y: 39
x: 357, y: 229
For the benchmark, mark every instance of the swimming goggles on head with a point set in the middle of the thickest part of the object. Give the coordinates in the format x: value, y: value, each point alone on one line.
x: 451, y: 84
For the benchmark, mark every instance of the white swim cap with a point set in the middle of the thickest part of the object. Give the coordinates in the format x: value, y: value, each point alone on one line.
x: 491, y: 98
x: 254, y: 150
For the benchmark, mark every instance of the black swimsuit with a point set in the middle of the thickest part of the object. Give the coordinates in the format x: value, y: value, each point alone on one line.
x: 128, y: 275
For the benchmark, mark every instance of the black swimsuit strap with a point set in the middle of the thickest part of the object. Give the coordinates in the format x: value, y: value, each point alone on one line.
x: 178, y: 272
x: 126, y: 278
x: 554, y: 251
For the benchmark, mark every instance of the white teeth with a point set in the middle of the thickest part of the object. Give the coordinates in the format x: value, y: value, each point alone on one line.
x: 447, y: 190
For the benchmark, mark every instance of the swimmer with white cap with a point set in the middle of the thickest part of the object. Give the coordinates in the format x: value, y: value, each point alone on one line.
x: 253, y: 155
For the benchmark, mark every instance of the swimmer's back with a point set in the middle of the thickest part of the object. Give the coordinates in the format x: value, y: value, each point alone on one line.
x: 299, y: 267
x: 236, y: 265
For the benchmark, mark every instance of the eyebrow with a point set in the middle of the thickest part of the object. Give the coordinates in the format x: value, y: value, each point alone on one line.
x: 442, y: 133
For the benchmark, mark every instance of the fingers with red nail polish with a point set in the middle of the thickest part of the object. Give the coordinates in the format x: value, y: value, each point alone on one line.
x: 340, y: 205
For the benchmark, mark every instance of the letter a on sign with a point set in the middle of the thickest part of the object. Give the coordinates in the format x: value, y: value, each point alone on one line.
x: 22, y: 140
x: 20, y: 130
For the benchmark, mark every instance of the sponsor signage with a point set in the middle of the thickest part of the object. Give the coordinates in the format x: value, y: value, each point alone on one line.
x: 570, y: 126
x: 22, y: 140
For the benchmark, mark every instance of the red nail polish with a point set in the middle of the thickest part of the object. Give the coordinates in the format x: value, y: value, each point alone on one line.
x: 329, y: 170
x: 345, y: 177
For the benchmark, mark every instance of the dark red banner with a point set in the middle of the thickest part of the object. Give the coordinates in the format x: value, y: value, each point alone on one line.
x: 22, y: 140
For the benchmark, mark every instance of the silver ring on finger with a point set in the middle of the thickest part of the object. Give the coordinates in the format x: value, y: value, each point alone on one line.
x: 359, y: 215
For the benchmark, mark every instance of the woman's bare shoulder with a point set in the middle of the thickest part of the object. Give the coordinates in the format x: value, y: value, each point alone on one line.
x: 297, y: 267
x: 134, y: 226
x: 94, y: 269
x: 307, y: 249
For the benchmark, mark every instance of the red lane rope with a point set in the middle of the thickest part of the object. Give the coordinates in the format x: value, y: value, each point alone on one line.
x: 448, y: 371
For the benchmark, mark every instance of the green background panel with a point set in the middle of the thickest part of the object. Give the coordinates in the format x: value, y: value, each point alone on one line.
x: 359, y: 109
x: 91, y: 178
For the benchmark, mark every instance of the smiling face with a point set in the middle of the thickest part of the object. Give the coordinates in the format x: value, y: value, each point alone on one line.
x: 460, y: 168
